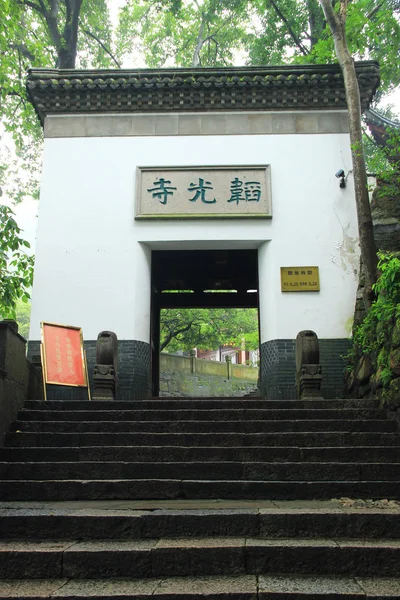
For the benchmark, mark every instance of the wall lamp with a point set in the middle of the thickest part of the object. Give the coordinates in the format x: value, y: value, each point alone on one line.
x: 340, y: 175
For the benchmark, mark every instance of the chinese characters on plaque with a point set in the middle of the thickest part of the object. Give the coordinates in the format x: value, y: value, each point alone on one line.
x: 299, y: 279
x: 194, y: 192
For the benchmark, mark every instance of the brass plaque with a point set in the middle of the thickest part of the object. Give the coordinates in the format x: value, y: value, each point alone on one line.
x: 299, y: 279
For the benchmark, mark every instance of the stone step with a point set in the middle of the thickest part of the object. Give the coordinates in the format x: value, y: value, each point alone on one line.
x: 304, y: 439
x: 200, y: 403
x: 239, y: 587
x: 168, y: 557
x: 215, y: 471
x: 376, y: 454
x: 50, y: 521
x: 192, y: 426
x: 157, y: 489
x: 205, y: 414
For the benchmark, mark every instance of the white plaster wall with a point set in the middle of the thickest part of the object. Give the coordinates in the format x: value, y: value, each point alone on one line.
x: 93, y: 260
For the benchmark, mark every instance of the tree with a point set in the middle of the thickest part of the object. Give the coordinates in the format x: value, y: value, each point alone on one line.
x: 23, y: 317
x: 297, y: 31
x: 186, y: 34
x: 16, y: 265
x: 336, y: 21
x: 213, y: 33
x: 62, y: 33
x: 42, y: 33
x: 183, y: 329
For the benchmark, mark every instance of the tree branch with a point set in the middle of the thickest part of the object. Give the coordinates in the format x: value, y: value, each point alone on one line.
x: 173, y: 334
x: 199, y: 43
x: 375, y: 10
x: 295, y: 38
x: 32, y: 5
x: 23, y: 50
x: 107, y: 50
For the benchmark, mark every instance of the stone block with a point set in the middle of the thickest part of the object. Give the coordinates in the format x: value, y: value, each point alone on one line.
x: 99, y: 126
x: 166, y: 124
x: 281, y: 586
x: 122, y: 125
x: 283, y: 123
x: 260, y: 123
x: 237, y: 124
x: 68, y: 126
x: 306, y: 123
x: 189, y: 124
x: 108, y: 559
x: 143, y: 125
x: 216, y: 124
x: 329, y: 123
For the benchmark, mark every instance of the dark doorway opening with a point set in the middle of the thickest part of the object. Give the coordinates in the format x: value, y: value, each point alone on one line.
x: 199, y: 279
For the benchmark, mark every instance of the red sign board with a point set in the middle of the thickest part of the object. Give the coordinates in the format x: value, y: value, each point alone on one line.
x: 63, y: 355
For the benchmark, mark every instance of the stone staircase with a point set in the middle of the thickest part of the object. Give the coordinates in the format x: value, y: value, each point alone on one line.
x: 189, y: 499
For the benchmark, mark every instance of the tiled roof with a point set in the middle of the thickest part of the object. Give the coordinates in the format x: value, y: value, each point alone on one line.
x: 315, y: 87
x: 381, y: 128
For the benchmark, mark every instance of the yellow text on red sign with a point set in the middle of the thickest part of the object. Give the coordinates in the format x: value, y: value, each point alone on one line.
x: 64, y: 362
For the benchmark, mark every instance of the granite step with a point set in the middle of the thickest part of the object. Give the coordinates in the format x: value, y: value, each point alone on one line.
x: 72, y: 461
x: 52, y: 521
x: 200, y: 403
x: 376, y: 454
x: 204, y: 426
x: 163, y: 489
x: 239, y: 587
x: 247, y: 413
x: 213, y: 471
x: 304, y: 439
x: 180, y: 557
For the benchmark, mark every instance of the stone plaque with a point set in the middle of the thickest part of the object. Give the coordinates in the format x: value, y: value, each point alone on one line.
x: 299, y: 279
x: 203, y: 192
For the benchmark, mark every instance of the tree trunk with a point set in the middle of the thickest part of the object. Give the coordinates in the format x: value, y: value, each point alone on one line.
x: 365, y: 227
x: 315, y: 21
x: 199, y: 43
x: 68, y: 47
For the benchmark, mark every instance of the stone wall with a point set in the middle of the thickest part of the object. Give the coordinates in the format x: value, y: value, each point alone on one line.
x: 209, y: 386
x: 182, y: 364
x: 134, y: 377
x: 19, y: 379
x: 278, y: 368
x: 367, y: 377
x: 183, y: 376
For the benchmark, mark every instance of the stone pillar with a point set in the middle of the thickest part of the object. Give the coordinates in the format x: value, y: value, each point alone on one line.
x: 105, y: 370
x: 17, y: 375
x: 308, y: 368
x: 193, y: 361
x: 229, y: 366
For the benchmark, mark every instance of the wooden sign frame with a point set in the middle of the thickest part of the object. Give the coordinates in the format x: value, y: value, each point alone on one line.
x: 63, y: 356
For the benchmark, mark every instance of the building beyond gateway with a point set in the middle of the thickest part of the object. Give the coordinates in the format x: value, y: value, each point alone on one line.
x: 198, y: 179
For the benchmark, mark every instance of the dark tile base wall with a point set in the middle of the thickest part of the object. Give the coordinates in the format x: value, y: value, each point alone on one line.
x: 134, y: 374
x: 278, y: 368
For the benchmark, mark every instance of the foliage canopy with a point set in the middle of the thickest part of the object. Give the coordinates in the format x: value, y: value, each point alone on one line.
x: 207, y: 329
x: 16, y: 265
x: 373, y: 335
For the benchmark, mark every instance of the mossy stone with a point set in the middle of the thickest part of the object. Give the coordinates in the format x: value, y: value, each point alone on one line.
x: 391, y: 396
x: 396, y: 335
x: 376, y: 379
x: 364, y: 369
x: 394, y: 361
